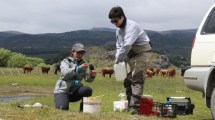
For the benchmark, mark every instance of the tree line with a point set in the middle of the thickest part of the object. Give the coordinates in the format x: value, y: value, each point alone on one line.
x: 13, y: 59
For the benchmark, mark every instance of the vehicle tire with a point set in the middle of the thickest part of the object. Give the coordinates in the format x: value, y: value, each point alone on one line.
x: 213, y: 104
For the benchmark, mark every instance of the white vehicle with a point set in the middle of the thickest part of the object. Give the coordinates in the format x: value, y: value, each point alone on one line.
x: 201, y: 75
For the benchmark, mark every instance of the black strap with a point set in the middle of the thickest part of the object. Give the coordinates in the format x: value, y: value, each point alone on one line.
x: 69, y: 60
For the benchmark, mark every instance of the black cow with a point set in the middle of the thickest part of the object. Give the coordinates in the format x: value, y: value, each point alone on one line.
x: 184, y: 69
x: 45, y: 69
x: 57, y: 67
x: 27, y: 69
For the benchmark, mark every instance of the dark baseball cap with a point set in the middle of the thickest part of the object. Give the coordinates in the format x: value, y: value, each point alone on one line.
x: 78, y: 47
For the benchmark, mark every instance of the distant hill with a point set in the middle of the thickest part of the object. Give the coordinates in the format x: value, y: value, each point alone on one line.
x: 102, y: 29
x: 6, y: 34
x: 174, y: 43
x: 54, y: 43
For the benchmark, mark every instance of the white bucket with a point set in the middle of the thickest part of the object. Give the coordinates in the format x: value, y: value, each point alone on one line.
x: 121, y: 69
x: 92, y: 104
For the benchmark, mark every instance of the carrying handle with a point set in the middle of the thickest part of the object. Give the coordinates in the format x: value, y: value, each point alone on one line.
x: 169, y: 98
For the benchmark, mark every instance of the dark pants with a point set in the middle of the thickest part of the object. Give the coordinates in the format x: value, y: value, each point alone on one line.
x: 62, y: 99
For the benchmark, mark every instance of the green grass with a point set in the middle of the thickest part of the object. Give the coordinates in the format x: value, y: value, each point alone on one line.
x: 42, y: 86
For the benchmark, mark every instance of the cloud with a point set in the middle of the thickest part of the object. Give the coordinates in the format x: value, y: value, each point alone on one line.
x: 54, y: 16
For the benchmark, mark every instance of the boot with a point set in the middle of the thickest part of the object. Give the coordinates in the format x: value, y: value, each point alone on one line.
x: 81, y: 107
x: 129, y: 99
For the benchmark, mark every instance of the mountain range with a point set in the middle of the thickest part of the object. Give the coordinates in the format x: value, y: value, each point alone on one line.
x: 176, y: 44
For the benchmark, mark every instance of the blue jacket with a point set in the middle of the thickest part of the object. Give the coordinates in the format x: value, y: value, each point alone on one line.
x: 71, y: 76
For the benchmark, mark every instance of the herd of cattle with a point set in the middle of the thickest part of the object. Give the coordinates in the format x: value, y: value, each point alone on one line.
x: 44, y: 69
x: 28, y: 69
x: 150, y: 72
x: 170, y: 73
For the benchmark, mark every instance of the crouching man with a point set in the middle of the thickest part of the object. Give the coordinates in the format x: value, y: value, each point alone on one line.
x: 69, y: 87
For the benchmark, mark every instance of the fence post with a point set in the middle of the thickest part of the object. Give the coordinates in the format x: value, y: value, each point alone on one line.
x: 18, y: 71
x: 2, y: 72
x: 10, y: 72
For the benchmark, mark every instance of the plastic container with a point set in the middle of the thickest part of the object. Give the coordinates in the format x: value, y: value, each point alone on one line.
x: 120, y: 106
x: 122, y: 96
x: 92, y: 104
x: 121, y: 69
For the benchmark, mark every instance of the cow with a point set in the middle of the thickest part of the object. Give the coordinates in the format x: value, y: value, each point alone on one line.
x: 183, y: 70
x: 149, y: 73
x: 27, y: 69
x: 57, y: 67
x: 45, y: 70
x: 171, y: 72
x: 109, y: 71
x: 156, y: 71
x: 163, y: 72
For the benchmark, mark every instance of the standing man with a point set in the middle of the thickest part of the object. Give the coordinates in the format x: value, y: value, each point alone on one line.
x: 131, y: 46
x: 69, y: 87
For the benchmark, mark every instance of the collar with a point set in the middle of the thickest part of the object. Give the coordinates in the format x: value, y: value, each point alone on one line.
x: 123, y: 23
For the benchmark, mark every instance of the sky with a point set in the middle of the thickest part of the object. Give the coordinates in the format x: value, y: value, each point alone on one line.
x: 58, y: 16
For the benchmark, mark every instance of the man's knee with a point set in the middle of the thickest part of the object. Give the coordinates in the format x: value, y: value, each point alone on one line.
x: 86, y: 91
x: 62, y: 107
x: 61, y: 101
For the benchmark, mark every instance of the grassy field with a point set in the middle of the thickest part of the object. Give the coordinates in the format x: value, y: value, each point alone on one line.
x: 14, y: 82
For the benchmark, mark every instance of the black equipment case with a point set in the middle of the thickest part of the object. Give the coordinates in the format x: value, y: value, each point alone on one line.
x: 184, y: 105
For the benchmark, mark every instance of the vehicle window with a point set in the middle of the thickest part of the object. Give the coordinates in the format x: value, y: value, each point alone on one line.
x: 209, y: 26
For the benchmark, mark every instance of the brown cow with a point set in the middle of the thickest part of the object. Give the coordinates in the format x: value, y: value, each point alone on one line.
x: 149, y: 73
x: 156, y: 71
x: 45, y: 70
x: 109, y: 71
x: 163, y: 72
x: 27, y: 69
x: 171, y: 72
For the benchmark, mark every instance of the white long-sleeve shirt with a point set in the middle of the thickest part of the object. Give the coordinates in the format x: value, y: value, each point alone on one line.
x: 131, y: 34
